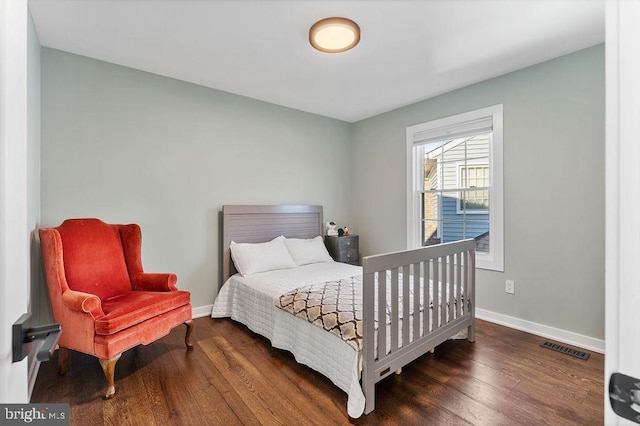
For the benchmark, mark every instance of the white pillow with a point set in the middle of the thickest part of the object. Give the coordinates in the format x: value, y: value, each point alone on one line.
x: 308, y: 251
x: 251, y: 258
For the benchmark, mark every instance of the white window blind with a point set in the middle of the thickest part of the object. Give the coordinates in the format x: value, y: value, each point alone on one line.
x: 454, y: 131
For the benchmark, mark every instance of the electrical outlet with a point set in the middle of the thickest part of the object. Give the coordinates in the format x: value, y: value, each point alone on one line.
x: 510, y: 287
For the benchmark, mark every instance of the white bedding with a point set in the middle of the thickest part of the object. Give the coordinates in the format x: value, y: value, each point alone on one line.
x: 251, y: 301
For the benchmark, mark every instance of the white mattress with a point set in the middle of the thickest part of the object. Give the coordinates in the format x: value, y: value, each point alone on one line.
x: 251, y: 301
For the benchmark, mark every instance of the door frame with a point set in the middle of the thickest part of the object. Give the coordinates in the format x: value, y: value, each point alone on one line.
x: 622, y: 210
x: 14, y: 234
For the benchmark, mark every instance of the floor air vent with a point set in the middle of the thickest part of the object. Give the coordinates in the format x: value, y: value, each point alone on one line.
x: 565, y: 350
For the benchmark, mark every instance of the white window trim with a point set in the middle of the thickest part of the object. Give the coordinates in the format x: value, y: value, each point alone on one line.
x: 494, y: 260
x: 459, y: 168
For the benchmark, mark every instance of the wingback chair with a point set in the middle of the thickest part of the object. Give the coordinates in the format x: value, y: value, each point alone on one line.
x: 101, y: 296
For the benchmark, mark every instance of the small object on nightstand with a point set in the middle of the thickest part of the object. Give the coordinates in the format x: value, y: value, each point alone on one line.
x: 331, y: 228
x: 346, y: 231
x: 343, y: 249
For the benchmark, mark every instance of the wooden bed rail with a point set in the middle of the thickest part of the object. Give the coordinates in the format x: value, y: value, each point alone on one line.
x: 441, y: 279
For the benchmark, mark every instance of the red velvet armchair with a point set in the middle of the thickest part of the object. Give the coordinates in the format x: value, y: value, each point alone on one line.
x: 101, y: 296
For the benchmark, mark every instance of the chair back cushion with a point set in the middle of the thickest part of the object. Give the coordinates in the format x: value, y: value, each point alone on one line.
x: 93, y: 258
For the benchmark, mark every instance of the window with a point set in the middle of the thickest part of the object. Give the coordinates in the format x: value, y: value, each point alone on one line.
x: 454, y: 183
x: 474, y: 189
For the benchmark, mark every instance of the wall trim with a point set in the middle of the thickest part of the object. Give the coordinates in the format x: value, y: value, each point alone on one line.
x: 202, y: 311
x: 560, y: 335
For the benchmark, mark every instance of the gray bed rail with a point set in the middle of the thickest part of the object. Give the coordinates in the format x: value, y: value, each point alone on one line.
x: 435, y: 315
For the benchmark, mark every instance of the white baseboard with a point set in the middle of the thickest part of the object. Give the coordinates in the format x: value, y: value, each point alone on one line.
x: 201, y: 311
x: 563, y: 336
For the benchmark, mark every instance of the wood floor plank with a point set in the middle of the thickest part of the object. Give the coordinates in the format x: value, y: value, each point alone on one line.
x: 267, y: 402
x: 493, y: 388
x: 169, y: 396
x: 222, y: 393
x: 473, y: 411
x: 295, y: 379
x: 234, y: 377
x: 83, y: 384
x: 128, y: 408
x: 398, y: 403
x: 220, y: 405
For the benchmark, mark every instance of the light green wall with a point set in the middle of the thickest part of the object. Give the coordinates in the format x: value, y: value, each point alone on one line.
x: 553, y: 188
x: 128, y: 146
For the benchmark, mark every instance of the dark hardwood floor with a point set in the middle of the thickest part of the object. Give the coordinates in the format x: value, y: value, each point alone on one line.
x: 235, y: 377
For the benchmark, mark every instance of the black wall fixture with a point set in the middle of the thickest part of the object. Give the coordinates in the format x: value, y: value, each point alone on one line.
x: 624, y: 395
x: 24, y: 334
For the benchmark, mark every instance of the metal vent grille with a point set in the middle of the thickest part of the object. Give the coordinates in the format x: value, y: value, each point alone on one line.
x: 565, y: 350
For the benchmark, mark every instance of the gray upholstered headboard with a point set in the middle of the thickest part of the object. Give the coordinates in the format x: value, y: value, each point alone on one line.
x: 258, y: 224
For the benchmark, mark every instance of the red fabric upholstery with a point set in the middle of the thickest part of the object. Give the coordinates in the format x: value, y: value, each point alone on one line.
x: 99, y: 292
x: 94, y: 258
x: 149, y: 331
x: 129, y: 309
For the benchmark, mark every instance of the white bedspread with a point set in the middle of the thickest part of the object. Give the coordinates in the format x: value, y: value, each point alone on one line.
x: 250, y: 300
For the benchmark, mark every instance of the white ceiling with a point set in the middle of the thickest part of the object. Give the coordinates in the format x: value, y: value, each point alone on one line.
x: 409, y: 50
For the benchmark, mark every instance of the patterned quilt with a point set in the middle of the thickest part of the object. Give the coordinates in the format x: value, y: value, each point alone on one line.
x: 335, y: 306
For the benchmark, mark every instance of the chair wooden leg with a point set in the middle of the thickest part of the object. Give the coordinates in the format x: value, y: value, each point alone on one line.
x: 109, y: 368
x: 187, y: 338
x: 63, y: 360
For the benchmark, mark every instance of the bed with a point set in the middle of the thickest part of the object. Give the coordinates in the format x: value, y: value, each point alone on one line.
x: 411, y: 301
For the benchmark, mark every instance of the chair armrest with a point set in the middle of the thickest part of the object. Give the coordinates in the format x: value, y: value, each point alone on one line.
x: 154, y: 282
x: 83, y: 302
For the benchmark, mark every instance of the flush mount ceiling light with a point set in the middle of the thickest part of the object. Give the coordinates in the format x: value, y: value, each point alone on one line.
x: 334, y: 35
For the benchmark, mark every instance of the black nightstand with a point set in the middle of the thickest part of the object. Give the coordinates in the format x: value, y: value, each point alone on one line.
x: 343, y: 249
